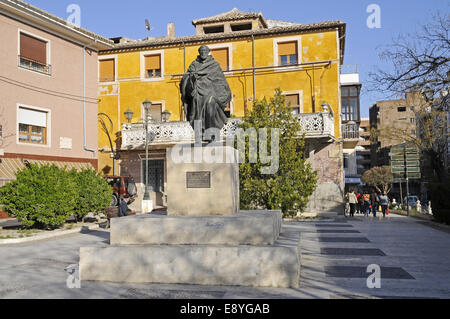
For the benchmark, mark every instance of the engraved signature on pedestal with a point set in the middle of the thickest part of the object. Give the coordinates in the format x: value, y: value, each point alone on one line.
x: 215, y: 225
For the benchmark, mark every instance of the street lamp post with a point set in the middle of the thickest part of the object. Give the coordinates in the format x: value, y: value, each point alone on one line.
x: 129, y: 115
x: 147, y: 105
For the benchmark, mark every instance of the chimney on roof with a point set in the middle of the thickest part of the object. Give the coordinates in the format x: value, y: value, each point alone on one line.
x: 171, y: 31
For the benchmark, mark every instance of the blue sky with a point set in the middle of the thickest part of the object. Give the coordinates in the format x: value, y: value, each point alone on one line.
x: 112, y: 18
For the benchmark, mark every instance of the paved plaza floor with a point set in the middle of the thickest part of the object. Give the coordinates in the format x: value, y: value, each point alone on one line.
x: 413, y: 256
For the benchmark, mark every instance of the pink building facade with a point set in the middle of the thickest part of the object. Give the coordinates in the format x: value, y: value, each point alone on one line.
x: 48, y: 90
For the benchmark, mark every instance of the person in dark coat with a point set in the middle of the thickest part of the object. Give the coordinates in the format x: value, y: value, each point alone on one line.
x: 375, y: 202
x: 123, y: 207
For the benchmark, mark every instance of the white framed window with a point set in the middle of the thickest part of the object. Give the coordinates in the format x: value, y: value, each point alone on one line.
x: 152, y: 65
x: 34, y: 53
x: 287, y: 52
x: 107, y: 69
x: 155, y: 111
x: 33, y: 126
x: 223, y: 54
x: 295, y: 100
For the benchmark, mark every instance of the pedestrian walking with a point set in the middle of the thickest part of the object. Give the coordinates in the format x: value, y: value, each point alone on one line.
x: 366, y: 203
x: 384, y: 202
x: 359, y: 204
x: 375, y: 202
x: 352, y: 200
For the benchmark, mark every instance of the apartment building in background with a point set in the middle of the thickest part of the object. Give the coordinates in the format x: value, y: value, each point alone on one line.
x: 393, y: 119
x: 363, y: 161
x: 257, y: 56
x: 48, y: 90
x: 351, y: 121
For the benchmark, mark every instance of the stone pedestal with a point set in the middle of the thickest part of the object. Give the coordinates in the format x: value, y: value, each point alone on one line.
x: 245, y: 228
x: 242, y: 250
x: 202, y: 181
x: 203, y: 239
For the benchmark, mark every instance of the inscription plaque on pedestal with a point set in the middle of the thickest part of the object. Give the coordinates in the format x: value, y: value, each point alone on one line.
x: 203, y: 188
x: 198, y: 179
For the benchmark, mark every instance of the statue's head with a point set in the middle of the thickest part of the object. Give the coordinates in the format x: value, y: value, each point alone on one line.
x: 204, y: 52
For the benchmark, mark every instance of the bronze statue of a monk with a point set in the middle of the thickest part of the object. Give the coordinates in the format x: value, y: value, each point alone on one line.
x: 205, y: 92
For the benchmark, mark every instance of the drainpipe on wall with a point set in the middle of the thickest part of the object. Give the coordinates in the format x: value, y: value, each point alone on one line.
x: 253, y: 63
x: 93, y: 151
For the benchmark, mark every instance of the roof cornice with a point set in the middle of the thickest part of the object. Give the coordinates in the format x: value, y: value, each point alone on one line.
x: 27, y: 13
x: 221, y: 37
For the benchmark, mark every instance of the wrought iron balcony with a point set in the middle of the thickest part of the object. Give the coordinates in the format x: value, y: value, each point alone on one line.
x: 34, y: 65
x: 315, y: 125
x: 350, y: 131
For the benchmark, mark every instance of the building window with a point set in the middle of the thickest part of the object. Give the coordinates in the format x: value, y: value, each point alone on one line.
x: 214, y: 29
x: 222, y: 57
x: 401, y: 109
x: 293, y: 100
x: 107, y: 70
x: 153, y: 66
x: 241, y: 27
x: 155, y: 112
x: 413, y: 132
x: 32, y: 126
x: 350, y: 103
x: 412, y: 120
x: 33, y: 54
x: 155, y: 175
x: 287, y: 53
x: 346, y: 159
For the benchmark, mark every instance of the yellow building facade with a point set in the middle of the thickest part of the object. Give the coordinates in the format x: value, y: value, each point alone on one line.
x: 257, y: 56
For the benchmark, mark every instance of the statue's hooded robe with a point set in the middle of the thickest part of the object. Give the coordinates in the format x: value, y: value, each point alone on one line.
x: 205, y: 93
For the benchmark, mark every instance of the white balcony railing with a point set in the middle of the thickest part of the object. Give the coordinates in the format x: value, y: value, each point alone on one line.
x: 315, y: 125
x: 350, y: 131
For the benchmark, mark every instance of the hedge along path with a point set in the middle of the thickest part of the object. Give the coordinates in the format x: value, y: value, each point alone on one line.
x: 46, y: 196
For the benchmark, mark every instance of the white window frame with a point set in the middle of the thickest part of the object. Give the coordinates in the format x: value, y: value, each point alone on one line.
x: 228, y: 46
x: 142, y: 56
x: 49, y: 127
x: 163, y: 108
x: 48, y: 53
x: 300, y: 97
x: 298, y: 39
x: 116, y: 64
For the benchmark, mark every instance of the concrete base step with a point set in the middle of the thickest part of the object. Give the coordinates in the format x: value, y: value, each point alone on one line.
x: 256, y: 266
x: 245, y: 228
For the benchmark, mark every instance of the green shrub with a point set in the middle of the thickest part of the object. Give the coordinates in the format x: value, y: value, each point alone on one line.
x: 46, y: 196
x: 94, y: 193
x: 42, y: 197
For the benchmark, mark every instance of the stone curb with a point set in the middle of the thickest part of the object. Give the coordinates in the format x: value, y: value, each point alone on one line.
x: 48, y: 235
